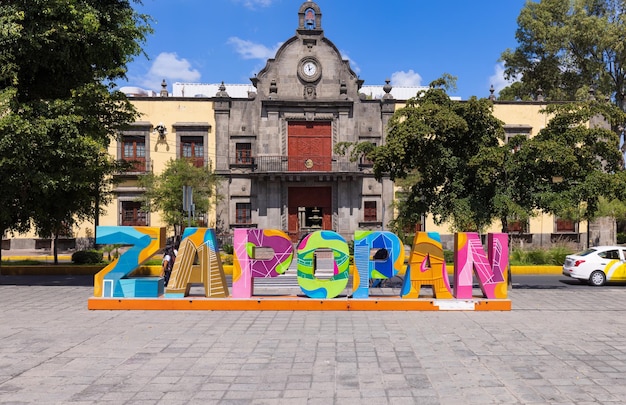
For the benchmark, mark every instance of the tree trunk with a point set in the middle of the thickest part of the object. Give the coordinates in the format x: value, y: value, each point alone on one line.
x: 1, y: 233
x: 96, y: 220
x: 55, y: 252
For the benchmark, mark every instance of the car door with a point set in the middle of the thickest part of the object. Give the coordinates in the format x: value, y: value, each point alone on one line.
x: 614, y: 264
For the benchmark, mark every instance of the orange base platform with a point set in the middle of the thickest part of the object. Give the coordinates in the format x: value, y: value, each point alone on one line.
x: 297, y: 303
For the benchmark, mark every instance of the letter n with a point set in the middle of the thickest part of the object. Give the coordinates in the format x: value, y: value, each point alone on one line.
x: 470, y: 257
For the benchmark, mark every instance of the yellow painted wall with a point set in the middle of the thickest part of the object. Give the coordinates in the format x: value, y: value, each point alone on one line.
x: 168, y: 111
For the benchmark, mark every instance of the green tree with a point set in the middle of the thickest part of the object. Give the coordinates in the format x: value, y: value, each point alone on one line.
x: 53, y: 47
x: 565, y: 48
x: 405, y: 224
x: 451, y: 160
x: 501, y: 169
x: 59, y: 61
x: 573, y: 164
x: 440, y: 139
x: 164, y: 192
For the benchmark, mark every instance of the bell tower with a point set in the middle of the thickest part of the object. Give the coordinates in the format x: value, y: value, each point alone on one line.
x: 309, y: 18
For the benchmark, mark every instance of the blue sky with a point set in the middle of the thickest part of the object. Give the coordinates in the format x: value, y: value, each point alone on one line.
x: 411, y: 42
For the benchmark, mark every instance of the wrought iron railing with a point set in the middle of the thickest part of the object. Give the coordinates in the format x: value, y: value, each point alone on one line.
x: 282, y: 164
x: 137, y: 165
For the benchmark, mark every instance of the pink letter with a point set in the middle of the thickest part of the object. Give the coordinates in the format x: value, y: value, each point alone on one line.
x: 469, y: 255
x: 247, y: 267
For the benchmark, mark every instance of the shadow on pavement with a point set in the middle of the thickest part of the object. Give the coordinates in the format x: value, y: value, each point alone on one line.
x: 48, y: 280
x: 537, y: 287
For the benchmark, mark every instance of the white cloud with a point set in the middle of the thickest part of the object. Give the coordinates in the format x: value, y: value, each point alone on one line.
x: 252, y: 4
x: 170, y: 67
x: 406, y: 79
x: 497, y: 79
x: 251, y: 50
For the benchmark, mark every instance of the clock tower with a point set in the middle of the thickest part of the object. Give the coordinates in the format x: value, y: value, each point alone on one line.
x: 278, y: 144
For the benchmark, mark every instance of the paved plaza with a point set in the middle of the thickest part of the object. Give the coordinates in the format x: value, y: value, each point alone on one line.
x: 557, y: 346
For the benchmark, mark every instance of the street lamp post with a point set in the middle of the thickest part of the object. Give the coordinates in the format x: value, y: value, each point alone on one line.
x: 188, y: 203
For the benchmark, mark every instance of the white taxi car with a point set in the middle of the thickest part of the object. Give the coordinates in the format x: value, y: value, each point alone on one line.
x: 597, y: 265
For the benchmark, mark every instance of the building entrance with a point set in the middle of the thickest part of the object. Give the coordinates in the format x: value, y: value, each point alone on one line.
x: 310, y: 209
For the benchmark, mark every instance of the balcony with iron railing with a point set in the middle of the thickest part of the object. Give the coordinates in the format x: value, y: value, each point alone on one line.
x: 136, y: 166
x: 298, y: 164
x: 198, y: 161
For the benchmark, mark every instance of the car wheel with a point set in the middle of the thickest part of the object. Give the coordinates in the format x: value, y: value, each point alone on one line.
x: 597, y: 278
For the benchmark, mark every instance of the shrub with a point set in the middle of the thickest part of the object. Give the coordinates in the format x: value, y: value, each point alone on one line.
x: 556, y: 255
x: 226, y: 258
x: 537, y: 256
x: 228, y: 249
x: 87, y: 257
x: 448, y: 256
x: 519, y: 256
x: 621, y: 238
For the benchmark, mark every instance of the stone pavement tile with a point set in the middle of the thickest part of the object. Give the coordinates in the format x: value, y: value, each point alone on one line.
x: 323, y: 401
x: 177, y: 395
x: 294, y: 394
x: 148, y: 395
x: 375, y: 394
x: 429, y: 399
x: 516, y: 357
x: 208, y: 394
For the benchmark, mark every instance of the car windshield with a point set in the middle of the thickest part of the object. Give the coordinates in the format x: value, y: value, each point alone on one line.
x: 586, y: 252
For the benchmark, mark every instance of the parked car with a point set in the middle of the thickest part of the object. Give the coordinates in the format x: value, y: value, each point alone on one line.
x: 597, y: 265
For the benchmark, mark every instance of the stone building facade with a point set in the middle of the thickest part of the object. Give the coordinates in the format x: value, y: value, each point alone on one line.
x: 276, y: 147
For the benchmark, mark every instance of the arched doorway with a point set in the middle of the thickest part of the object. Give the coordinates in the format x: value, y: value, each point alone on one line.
x: 310, y: 209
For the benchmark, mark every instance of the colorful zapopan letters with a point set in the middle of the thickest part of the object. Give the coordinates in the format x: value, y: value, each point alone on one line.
x: 425, y: 266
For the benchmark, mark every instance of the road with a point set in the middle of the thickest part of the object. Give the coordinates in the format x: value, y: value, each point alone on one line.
x: 552, y: 281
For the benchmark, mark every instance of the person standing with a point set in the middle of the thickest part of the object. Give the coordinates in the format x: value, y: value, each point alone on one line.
x: 167, y: 264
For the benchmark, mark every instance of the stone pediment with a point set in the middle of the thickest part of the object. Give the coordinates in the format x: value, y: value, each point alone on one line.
x: 308, y: 66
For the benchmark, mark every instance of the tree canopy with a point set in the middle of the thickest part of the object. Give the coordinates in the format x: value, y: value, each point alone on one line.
x: 52, y: 47
x: 575, y: 160
x: 566, y: 49
x: 439, y: 139
x: 59, y: 60
x: 164, y: 191
x: 453, y: 162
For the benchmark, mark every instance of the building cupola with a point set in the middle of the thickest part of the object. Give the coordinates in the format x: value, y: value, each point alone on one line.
x: 309, y: 18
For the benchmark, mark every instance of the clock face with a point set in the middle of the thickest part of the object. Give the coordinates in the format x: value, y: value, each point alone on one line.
x: 309, y: 68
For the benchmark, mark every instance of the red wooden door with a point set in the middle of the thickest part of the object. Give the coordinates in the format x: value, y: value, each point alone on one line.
x: 310, y: 146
